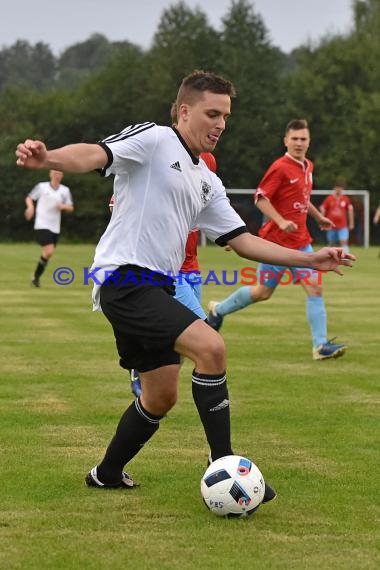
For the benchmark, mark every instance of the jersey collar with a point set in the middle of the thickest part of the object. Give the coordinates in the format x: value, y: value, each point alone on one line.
x: 194, y: 158
x: 304, y: 164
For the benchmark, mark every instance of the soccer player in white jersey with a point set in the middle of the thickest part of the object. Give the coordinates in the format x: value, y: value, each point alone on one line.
x: 157, y: 169
x: 52, y: 199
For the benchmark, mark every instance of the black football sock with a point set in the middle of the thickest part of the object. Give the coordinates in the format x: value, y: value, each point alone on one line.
x: 41, y: 265
x: 211, y: 398
x: 136, y: 427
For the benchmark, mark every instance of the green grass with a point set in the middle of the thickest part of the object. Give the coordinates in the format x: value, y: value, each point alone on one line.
x: 312, y: 428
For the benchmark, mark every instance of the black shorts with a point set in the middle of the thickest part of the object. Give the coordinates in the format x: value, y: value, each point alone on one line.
x: 46, y: 237
x: 145, y: 317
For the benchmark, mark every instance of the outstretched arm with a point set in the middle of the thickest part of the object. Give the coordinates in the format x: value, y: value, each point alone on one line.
x: 257, y: 249
x: 79, y: 157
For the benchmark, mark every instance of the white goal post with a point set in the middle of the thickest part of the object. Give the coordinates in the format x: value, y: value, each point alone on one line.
x: 241, y: 200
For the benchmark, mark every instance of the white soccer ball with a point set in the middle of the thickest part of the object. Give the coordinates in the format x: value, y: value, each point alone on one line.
x: 233, y: 486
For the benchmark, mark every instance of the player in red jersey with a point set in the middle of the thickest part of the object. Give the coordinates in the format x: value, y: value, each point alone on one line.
x: 283, y: 196
x: 338, y: 207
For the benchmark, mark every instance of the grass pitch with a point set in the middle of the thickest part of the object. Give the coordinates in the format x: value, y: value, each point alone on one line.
x: 312, y: 428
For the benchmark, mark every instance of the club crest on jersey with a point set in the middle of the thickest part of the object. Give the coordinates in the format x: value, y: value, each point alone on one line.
x: 205, y: 192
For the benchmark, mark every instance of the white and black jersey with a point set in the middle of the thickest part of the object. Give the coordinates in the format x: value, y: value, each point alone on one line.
x: 161, y: 191
x: 48, y: 214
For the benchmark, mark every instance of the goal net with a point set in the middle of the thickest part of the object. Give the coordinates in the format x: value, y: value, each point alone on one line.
x: 242, y: 202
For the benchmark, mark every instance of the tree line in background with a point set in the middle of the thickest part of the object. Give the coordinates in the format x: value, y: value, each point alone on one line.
x: 97, y: 87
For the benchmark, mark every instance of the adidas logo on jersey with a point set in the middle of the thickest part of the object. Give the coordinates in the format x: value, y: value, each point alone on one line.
x: 176, y: 166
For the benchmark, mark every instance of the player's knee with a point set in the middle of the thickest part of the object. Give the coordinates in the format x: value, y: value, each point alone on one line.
x: 218, y: 353
x: 213, y: 354
x: 48, y: 252
x: 262, y: 294
x: 160, y: 404
x: 168, y: 402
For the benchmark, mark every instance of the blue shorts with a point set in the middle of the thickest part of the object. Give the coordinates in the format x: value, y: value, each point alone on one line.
x: 273, y: 275
x: 336, y: 236
x: 188, y: 291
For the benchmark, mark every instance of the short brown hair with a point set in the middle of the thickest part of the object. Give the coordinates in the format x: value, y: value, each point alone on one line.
x: 194, y: 84
x: 296, y: 125
x: 341, y: 182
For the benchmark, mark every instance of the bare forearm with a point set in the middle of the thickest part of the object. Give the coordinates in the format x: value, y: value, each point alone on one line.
x: 269, y: 211
x: 314, y: 213
x: 319, y: 216
x: 257, y: 249
x: 79, y: 158
x: 67, y: 208
x: 29, y: 212
x: 351, y: 219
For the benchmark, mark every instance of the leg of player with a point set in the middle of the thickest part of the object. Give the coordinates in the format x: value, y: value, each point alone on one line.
x: 207, y: 388
x: 332, y: 237
x: 238, y: 300
x: 136, y: 426
x: 46, y: 253
x: 209, y: 384
x: 218, y: 310
x: 210, y: 393
x: 316, y: 315
x: 344, y: 235
x: 189, y: 294
x: 159, y: 393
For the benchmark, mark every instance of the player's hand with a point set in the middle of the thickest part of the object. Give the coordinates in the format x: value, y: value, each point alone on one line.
x: 288, y: 226
x: 29, y: 213
x: 325, y: 223
x: 227, y: 248
x: 31, y: 154
x: 331, y: 258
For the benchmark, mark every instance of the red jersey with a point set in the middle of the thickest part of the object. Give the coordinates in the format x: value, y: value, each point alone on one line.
x: 287, y: 184
x: 336, y: 207
x: 209, y: 159
x: 191, y: 260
